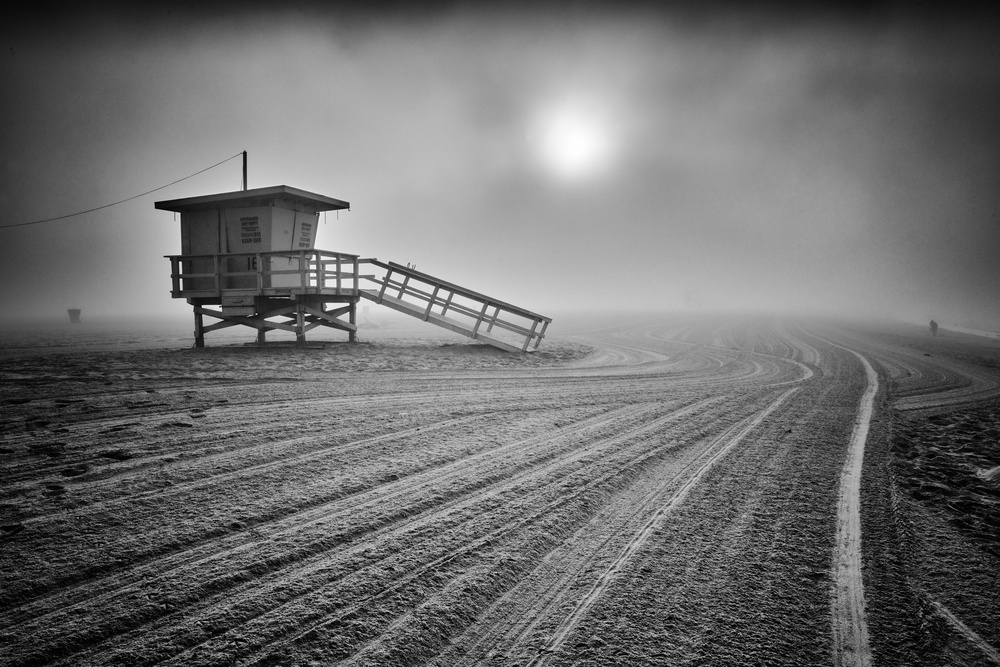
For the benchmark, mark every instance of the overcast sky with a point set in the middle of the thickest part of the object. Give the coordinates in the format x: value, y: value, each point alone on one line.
x: 585, y: 157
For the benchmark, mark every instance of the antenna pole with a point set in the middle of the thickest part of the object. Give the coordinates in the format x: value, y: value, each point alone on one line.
x: 244, y: 171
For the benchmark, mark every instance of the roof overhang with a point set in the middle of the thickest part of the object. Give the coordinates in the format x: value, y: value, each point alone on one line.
x: 276, y: 195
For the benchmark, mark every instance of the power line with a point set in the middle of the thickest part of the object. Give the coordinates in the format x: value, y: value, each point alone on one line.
x: 91, y: 210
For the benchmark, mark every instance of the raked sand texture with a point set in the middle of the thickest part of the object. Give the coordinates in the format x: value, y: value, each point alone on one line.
x: 677, y: 491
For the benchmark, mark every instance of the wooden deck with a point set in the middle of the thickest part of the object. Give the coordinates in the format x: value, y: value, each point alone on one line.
x: 269, y: 291
x: 291, y: 290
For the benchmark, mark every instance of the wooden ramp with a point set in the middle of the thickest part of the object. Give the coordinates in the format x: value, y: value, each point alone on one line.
x: 455, y: 308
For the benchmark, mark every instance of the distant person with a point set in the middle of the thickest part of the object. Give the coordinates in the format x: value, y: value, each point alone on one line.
x: 933, y: 328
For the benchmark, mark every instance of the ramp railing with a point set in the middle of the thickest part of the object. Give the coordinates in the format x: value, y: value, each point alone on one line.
x: 454, y: 307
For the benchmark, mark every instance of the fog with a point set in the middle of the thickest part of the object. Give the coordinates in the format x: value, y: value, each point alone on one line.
x: 627, y: 159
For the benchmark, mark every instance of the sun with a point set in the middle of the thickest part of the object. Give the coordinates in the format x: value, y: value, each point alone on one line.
x: 573, y: 140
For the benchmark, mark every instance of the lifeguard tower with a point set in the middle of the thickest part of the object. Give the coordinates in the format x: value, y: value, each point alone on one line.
x: 248, y: 259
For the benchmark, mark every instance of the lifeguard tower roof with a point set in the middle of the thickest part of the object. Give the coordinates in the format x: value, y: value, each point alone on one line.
x: 282, y: 195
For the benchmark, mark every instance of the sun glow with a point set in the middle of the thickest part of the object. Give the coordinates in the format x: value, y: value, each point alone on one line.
x: 573, y: 140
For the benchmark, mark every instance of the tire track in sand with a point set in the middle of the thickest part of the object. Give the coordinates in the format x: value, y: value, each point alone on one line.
x: 851, y: 647
x: 69, y: 599
x: 519, y: 623
x: 86, y: 584
x: 732, y: 437
x: 305, y: 561
x: 970, y: 635
x: 494, y: 535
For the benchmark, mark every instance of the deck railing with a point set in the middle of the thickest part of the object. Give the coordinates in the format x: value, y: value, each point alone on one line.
x: 277, y: 273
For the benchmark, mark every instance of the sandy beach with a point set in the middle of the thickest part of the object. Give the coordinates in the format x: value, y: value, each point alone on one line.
x: 663, y: 490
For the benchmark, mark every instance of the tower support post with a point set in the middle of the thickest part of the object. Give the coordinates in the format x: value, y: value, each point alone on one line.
x: 199, y: 330
x: 300, y: 324
x: 352, y: 335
